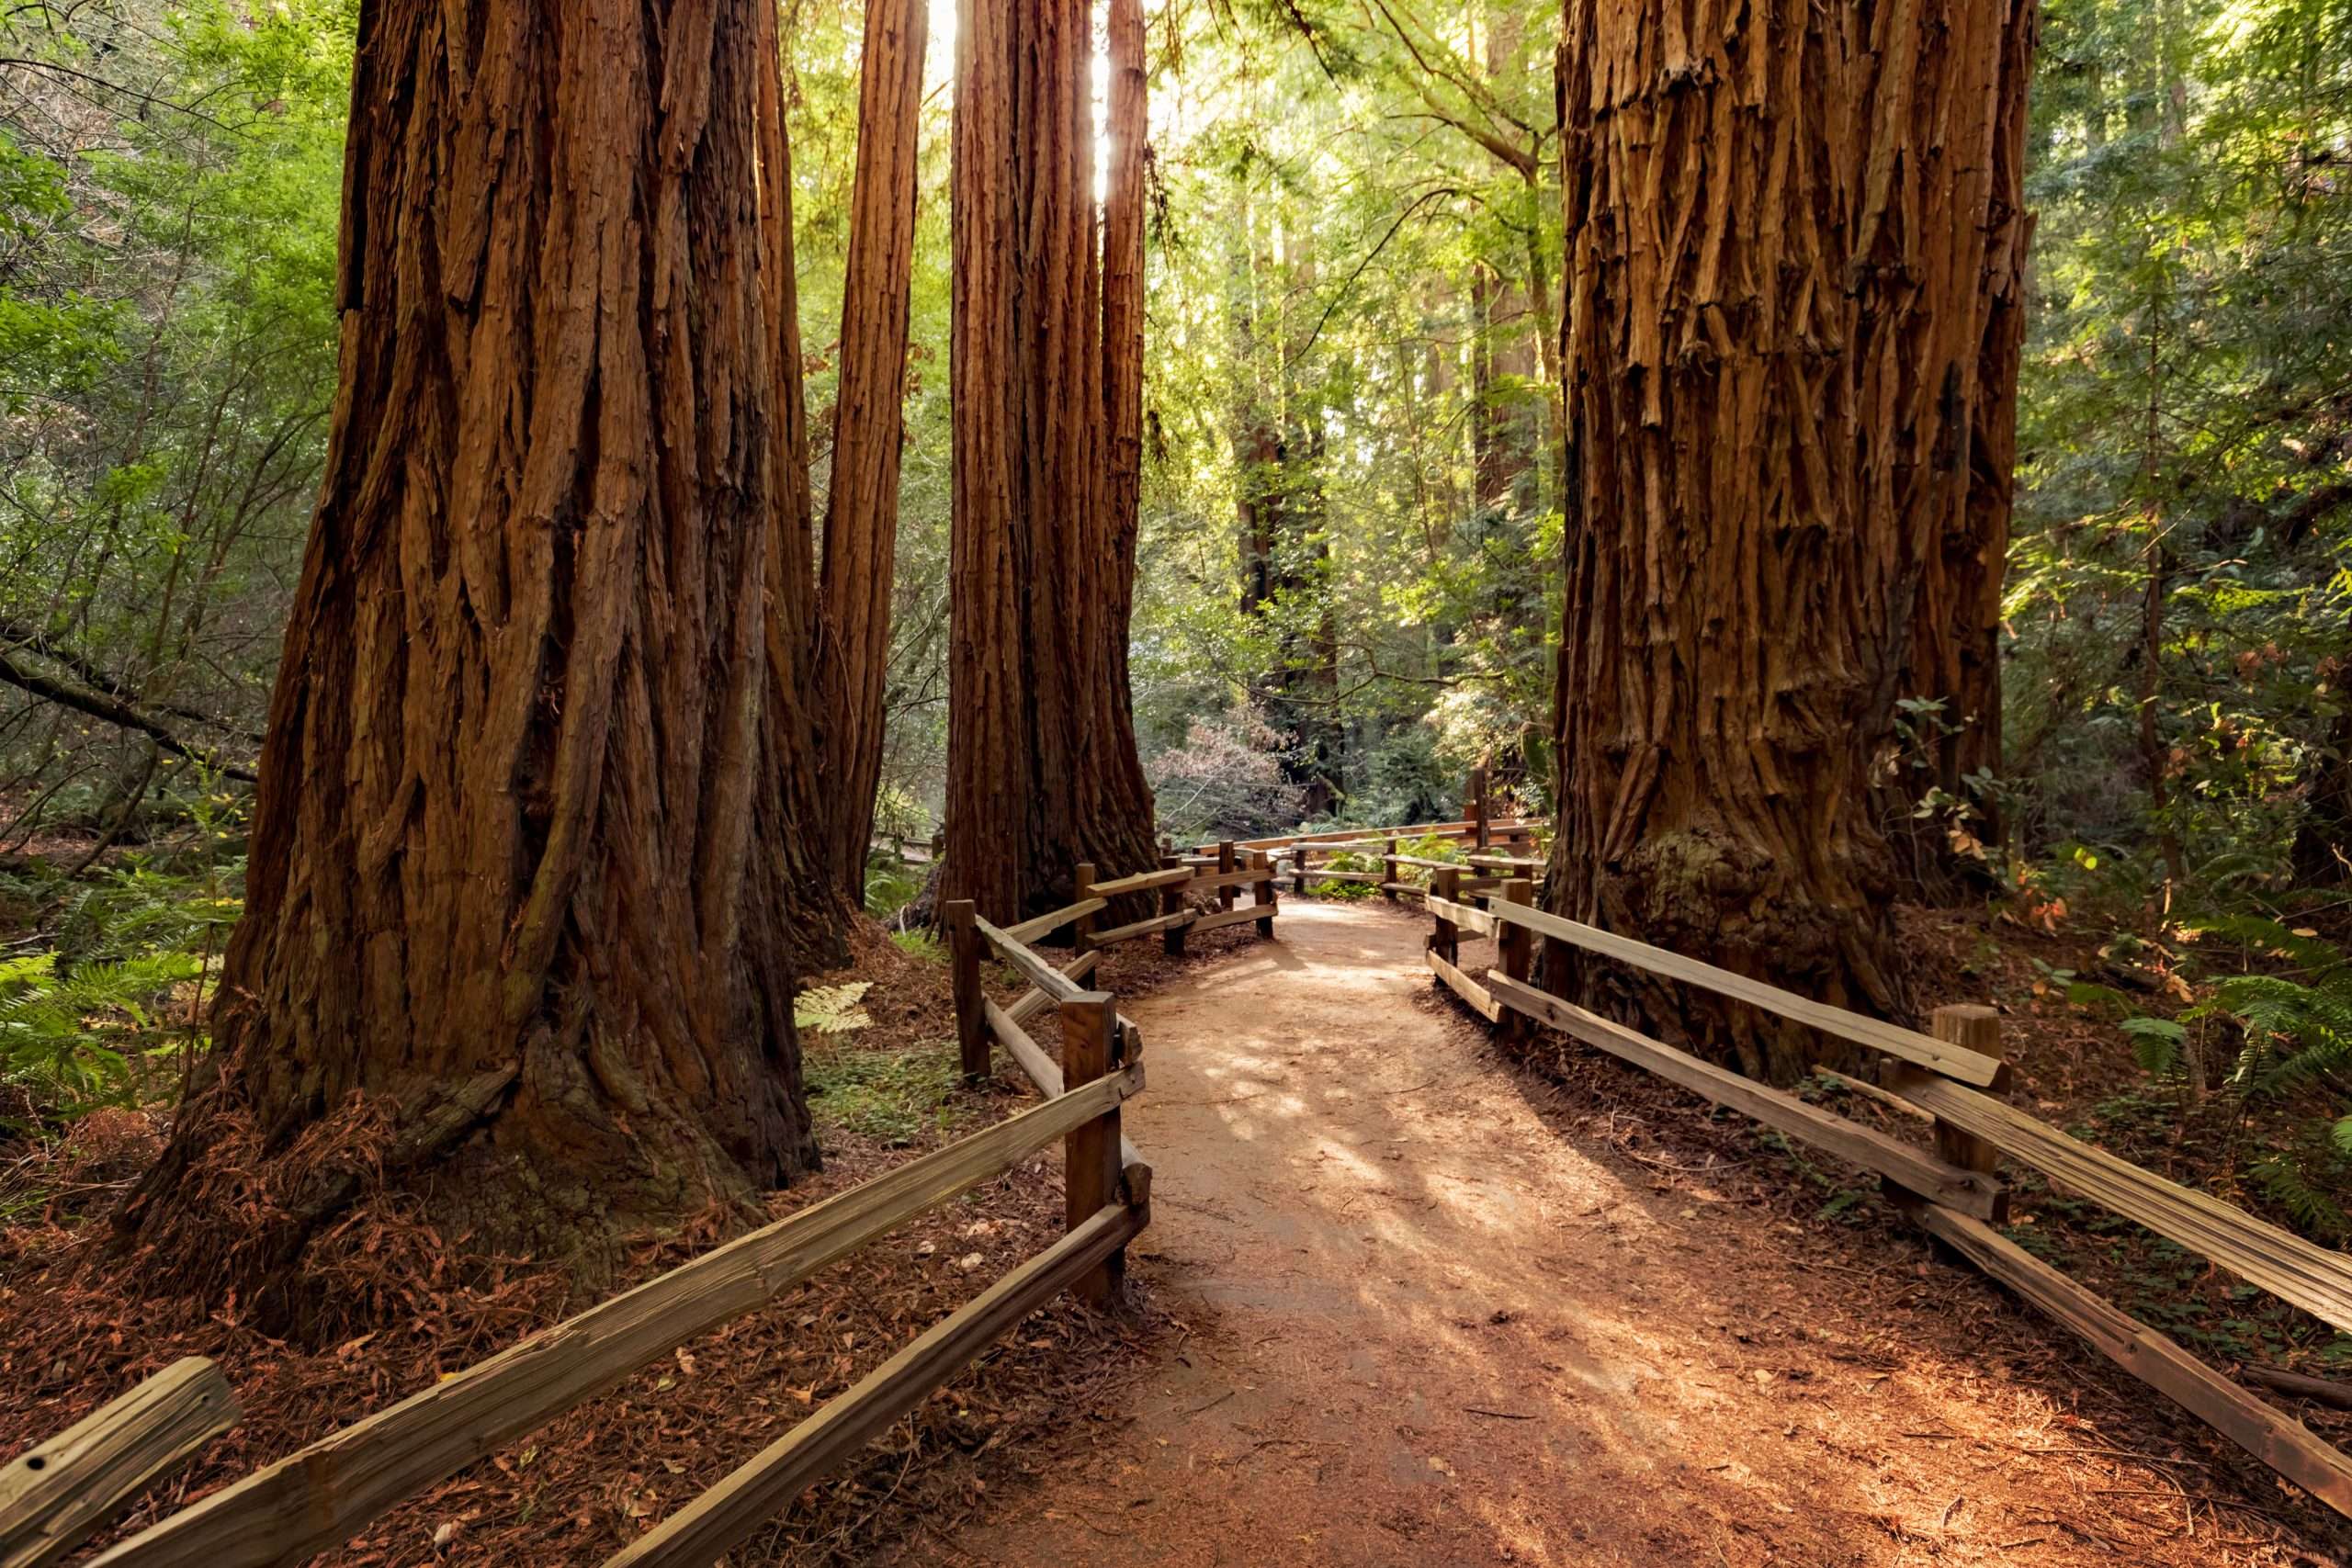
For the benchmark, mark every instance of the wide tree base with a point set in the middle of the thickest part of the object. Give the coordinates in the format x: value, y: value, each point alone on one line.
x: 287, y: 1229
x: 1702, y: 894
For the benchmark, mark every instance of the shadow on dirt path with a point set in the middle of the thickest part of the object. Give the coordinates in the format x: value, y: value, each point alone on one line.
x: 1421, y: 1328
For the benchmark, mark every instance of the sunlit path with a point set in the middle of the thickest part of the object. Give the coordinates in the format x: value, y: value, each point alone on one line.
x: 1424, y: 1327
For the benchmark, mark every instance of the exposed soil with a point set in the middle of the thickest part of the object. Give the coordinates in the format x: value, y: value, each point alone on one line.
x: 1434, y: 1308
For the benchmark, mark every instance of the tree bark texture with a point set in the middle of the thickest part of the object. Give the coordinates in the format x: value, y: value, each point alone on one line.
x: 1042, y: 772
x: 1127, y: 126
x: 852, y: 655
x: 794, y: 806
x: 1776, y: 238
x: 506, y: 886
x: 1956, y: 621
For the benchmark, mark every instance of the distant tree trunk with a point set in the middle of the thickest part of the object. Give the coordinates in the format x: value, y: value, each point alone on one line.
x: 1766, y: 307
x: 1126, y: 125
x: 1042, y: 766
x: 853, y: 654
x: 1955, y: 629
x: 792, y: 804
x: 505, y: 882
x: 1513, y: 352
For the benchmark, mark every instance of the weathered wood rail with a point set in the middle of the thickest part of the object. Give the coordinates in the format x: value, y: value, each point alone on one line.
x: 320, y: 1495
x: 1951, y: 1190
x: 54, y: 1494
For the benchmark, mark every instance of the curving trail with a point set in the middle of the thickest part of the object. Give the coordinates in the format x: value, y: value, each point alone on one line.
x: 1426, y: 1328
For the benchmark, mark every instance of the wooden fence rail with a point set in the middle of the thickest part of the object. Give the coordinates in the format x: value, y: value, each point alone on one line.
x: 56, y: 1493
x: 1951, y: 1192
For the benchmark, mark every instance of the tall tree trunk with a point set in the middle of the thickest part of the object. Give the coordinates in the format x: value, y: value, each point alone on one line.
x: 1763, y: 307
x: 503, y: 878
x: 1042, y: 766
x: 792, y: 804
x: 1956, y: 621
x: 852, y: 655
x: 1126, y: 125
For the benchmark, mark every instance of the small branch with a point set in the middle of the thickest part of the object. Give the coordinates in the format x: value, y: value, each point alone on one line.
x: 112, y: 711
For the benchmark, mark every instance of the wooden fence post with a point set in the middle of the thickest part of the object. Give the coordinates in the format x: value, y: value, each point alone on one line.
x: 1484, y: 833
x: 1261, y: 893
x: 1298, y: 868
x: 1446, y: 941
x: 1226, y: 865
x: 1389, y: 875
x: 1978, y: 1028
x: 1516, y: 945
x: 1090, y: 1154
x: 1172, y: 902
x: 971, y: 1015
x: 1082, y: 889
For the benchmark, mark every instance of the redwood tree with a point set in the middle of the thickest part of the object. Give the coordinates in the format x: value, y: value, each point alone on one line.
x: 1775, y: 287
x: 852, y: 612
x: 507, y: 886
x: 1955, y: 658
x: 1042, y: 766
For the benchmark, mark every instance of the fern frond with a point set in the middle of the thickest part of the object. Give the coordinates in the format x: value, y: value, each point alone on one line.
x: 831, y: 1010
x: 2319, y: 960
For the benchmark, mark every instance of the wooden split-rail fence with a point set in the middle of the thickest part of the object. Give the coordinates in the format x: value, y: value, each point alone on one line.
x: 57, y: 1493
x: 1949, y: 1187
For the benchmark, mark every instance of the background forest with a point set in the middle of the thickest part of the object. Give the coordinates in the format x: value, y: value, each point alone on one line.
x: 1348, y: 590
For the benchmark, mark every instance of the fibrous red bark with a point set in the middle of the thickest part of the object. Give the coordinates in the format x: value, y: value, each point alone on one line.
x: 505, y: 884
x: 1775, y: 286
x: 852, y: 652
x: 1042, y: 772
x: 1956, y: 626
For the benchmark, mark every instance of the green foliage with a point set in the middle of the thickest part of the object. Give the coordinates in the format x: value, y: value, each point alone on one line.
x: 169, y: 181
x: 2292, y: 1023
x: 2184, y: 429
x: 921, y: 943
x: 89, y: 1037
x: 890, y: 884
x: 111, y: 997
x: 2304, y: 1176
x: 894, y: 1097
x: 2156, y: 1042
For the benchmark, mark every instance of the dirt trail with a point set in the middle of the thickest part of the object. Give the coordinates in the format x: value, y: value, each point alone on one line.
x: 1426, y: 1328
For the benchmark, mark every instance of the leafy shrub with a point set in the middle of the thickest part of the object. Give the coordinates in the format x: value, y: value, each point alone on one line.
x: 1227, y: 778
x: 1347, y: 860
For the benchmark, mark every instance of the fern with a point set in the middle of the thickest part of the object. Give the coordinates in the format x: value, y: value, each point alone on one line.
x: 80, y: 1038
x: 2293, y: 1178
x: 2156, y: 1042
x: 2295, y: 1030
x: 921, y: 943
x: 831, y: 1010
x: 2318, y: 959
x: 890, y: 884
